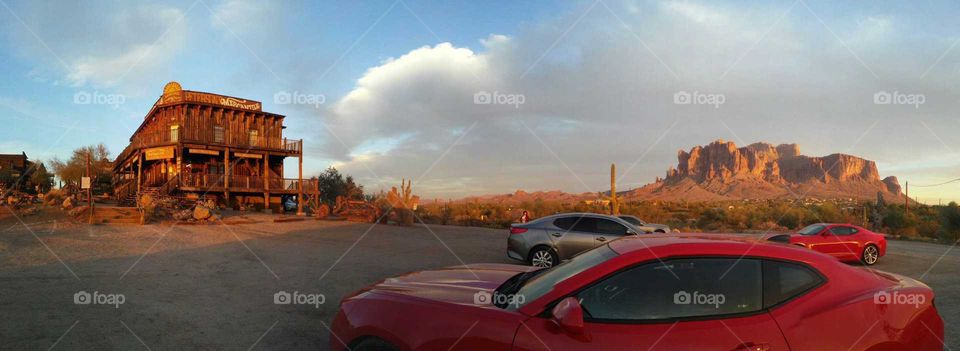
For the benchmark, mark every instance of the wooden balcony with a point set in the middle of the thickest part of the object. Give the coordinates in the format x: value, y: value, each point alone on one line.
x: 238, y: 183
x: 240, y: 143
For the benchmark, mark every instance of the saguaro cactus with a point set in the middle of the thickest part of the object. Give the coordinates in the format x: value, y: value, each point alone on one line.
x: 613, y: 198
x: 403, y: 202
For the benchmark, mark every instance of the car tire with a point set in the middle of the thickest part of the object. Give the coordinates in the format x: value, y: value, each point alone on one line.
x: 542, y: 256
x: 373, y: 344
x: 660, y: 231
x: 870, y: 255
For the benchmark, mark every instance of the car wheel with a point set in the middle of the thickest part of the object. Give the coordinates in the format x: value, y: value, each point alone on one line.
x: 543, y: 257
x: 660, y: 231
x: 870, y: 255
x: 373, y: 344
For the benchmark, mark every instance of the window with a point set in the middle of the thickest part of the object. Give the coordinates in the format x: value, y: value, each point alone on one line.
x: 565, y: 223
x: 174, y: 133
x: 543, y: 283
x: 783, y: 281
x: 254, y: 138
x: 606, y: 226
x: 218, y: 134
x: 842, y: 230
x: 706, y: 287
x: 586, y: 225
x: 812, y: 229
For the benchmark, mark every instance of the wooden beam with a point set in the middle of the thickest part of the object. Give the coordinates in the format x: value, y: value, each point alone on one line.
x: 266, y: 180
x: 226, y: 176
x: 300, y: 187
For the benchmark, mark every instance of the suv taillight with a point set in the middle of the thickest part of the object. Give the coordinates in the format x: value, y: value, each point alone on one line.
x: 517, y: 230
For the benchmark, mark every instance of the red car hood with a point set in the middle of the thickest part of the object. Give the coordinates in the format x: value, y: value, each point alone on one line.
x: 456, y: 284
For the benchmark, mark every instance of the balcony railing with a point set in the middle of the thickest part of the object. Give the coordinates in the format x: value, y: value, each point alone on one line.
x: 213, y: 137
x: 240, y: 182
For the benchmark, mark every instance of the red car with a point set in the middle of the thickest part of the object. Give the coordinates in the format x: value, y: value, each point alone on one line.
x: 846, y: 242
x: 653, y: 292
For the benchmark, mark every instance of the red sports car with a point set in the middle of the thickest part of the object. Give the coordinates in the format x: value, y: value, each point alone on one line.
x: 846, y: 242
x: 651, y: 292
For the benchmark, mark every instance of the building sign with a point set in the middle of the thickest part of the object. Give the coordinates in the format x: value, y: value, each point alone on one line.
x: 239, y: 103
x: 207, y: 98
x: 204, y: 152
x: 240, y: 154
x: 159, y: 153
x: 85, y: 183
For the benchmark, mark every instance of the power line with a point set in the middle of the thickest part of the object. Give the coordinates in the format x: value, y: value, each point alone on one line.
x: 938, y: 184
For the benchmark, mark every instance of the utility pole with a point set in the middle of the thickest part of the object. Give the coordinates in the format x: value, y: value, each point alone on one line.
x: 89, y: 191
x: 906, y: 194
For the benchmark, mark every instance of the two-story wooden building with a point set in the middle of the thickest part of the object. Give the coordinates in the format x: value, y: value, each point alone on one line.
x: 200, y: 145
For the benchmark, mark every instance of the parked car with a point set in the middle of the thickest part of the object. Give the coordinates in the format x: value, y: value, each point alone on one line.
x: 668, y: 292
x: 546, y: 241
x: 644, y: 226
x: 846, y: 242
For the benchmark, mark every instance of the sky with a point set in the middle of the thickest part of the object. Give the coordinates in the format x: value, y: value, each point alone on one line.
x: 482, y: 97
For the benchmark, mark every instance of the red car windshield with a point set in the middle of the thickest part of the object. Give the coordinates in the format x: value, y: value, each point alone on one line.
x: 812, y: 229
x: 542, y: 283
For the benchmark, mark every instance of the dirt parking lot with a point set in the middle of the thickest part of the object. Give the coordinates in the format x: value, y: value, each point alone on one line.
x: 211, y: 287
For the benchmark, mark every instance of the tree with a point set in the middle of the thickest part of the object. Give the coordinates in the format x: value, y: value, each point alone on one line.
x: 333, y: 184
x: 42, y: 178
x: 73, y: 169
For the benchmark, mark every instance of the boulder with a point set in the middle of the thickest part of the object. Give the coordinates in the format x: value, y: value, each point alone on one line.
x: 67, y: 203
x: 201, y: 213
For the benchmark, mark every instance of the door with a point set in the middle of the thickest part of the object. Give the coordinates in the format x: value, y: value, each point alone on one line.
x: 680, y: 304
x: 608, y: 230
x: 847, y: 245
x: 573, y: 235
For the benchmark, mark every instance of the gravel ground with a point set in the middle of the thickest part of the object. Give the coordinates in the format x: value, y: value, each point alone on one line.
x: 211, y: 287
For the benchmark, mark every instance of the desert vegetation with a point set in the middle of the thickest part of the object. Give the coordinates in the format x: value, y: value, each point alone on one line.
x: 923, y: 222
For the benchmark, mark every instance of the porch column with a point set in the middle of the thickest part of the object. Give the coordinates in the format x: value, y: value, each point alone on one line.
x: 226, y: 176
x: 266, y: 181
x: 300, y: 186
x: 139, y: 172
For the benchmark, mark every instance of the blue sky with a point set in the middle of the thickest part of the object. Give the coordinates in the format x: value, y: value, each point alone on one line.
x: 398, y: 79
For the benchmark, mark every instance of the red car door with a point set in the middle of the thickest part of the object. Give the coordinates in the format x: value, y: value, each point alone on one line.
x: 680, y: 304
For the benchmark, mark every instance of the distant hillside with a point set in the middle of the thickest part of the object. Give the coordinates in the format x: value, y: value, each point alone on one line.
x: 723, y: 171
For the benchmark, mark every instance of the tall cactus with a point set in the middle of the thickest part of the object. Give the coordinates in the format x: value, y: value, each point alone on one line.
x: 613, y: 198
x: 403, y: 202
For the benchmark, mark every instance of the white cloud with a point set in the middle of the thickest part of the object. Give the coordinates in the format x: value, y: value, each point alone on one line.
x: 102, y: 45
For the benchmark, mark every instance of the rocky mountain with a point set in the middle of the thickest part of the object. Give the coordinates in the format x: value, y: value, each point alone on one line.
x: 721, y: 171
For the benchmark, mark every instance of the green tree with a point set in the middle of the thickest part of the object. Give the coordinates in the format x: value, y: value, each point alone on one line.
x: 333, y: 184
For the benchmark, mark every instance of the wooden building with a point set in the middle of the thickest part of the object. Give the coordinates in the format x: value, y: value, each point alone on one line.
x: 200, y: 145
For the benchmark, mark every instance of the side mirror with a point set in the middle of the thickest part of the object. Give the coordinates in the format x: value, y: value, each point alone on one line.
x: 568, y: 315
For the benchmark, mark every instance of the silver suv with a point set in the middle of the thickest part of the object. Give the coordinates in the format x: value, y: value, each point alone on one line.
x: 546, y: 241
x: 645, y: 227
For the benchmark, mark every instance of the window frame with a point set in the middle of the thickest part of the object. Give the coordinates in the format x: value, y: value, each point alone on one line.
x: 851, y: 230
x: 546, y: 313
x: 626, y: 229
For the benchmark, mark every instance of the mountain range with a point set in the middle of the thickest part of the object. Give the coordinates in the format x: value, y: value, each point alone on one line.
x: 723, y: 171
